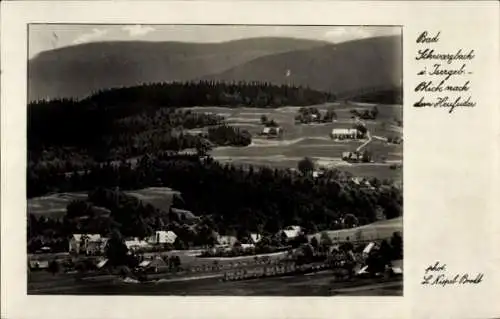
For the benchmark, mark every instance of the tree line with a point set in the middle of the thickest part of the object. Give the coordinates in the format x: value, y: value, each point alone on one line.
x: 127, y: 122
x: 229, y: 199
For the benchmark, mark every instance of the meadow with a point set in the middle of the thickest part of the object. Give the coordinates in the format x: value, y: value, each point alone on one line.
x: 311, y: 140
x: 299, y: 141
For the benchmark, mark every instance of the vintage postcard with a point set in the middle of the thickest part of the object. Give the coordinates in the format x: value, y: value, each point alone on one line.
x: 208, y: 160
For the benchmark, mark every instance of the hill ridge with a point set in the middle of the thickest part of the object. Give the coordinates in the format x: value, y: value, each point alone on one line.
x: 103, y: 65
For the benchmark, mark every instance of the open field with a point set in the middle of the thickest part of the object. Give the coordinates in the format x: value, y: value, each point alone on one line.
x: 311, y: 140
x: 53, y: 205
x: 158, y: 197
x: 376, y: 231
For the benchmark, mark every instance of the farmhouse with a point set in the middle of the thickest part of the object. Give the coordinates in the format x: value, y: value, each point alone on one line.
x: 344, y: 133
x: 226, y: 240
x: 351, y: 156
x: 291, y: 232
x: 272, y: 131
x: 38, y: 264
x: 162, y: 237
x: 255, y: 237
x: 90, y: 244
x: 136, y: 244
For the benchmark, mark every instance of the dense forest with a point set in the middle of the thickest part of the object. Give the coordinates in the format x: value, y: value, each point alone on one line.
x: 129, y: 138
x: 389, y: 96
x: 229, y: 199
x: 127, y: 122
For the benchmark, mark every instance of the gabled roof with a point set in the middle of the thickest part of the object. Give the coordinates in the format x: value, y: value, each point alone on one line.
x: 187, y: 214
x: 227, y: 239
x: 164, y: 236
x: 292, y: 231
x: 344, y: 131
x: 102, y: 263
x: 255, y: 237
x: 135, y: 243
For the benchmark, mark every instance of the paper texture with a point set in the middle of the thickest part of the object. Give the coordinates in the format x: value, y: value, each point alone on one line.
x: 451, y: 154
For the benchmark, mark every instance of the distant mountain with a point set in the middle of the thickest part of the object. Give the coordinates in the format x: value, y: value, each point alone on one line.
x: 79, y: 70
x: 341, y: 68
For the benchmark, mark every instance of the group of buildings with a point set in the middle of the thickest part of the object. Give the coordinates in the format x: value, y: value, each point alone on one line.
x: 95, y: 244
x: 346, y: 133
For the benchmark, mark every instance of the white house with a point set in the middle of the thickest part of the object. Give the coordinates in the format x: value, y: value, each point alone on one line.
x: 90, y: 244
x: 135, y: 243
x: 291, y: 232
x: 272, y: 131
x: 344, y: 133
x: 227, y: 240
x: 162, y: 237
x: 255, y: 237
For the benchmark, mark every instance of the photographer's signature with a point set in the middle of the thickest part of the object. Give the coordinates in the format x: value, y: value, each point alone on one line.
x: 437, y: 275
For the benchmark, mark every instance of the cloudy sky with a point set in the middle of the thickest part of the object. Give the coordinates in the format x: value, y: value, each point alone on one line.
x: 44, y: 37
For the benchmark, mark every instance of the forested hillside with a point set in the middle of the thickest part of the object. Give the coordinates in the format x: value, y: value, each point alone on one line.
x: 229, y: 200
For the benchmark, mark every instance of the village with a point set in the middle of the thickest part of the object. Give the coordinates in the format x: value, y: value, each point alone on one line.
x: 354, y: 251
x: 209, y: 184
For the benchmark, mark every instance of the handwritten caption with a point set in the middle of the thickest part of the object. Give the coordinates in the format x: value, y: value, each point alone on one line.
x: 437, y: 275
x: 444, y: 76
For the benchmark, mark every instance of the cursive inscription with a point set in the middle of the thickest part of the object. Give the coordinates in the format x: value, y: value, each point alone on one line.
x: 444, y: 76
x: 436, y: 275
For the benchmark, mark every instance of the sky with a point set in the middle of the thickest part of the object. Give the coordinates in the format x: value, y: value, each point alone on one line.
x: 44, y: 37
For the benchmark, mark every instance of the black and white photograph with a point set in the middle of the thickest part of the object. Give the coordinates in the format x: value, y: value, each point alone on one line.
x: 214, y: 160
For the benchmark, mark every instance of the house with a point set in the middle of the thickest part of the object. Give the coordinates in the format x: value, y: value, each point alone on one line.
x: 136, y: 244
x: 318, y: 173
x: 38, y: 264
x: 351, y: 156
x: 188, y: 151
x: 344, y: 133
x: 162, y: 237
x: 87, y: 244
x: 226, y: 240
x: 255, y: 237
x: 272, y: 131
x: 291, y: 232
x: 97, y: 247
